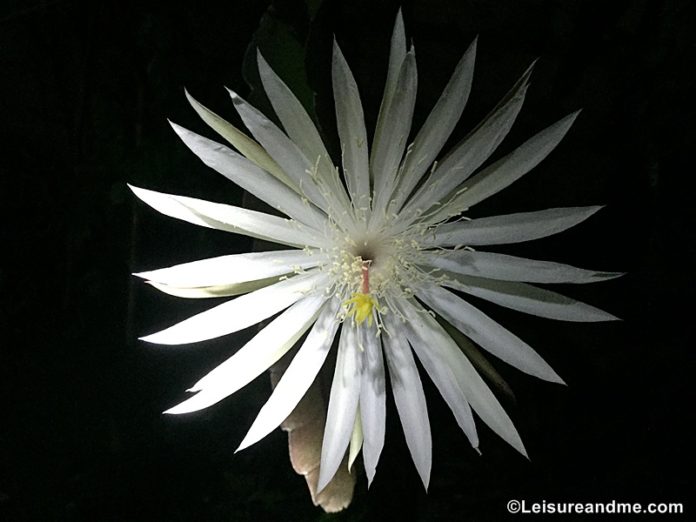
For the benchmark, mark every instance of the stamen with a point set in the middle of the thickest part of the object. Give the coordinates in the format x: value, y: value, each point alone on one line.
x: 361, y: 304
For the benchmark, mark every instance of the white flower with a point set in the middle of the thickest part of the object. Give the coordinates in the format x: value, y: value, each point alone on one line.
x: 373, y: 254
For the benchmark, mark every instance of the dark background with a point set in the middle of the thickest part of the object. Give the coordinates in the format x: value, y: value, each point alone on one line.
x: 85, y: 92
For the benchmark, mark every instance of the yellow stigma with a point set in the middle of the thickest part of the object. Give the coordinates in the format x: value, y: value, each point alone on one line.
x: 361, y: 306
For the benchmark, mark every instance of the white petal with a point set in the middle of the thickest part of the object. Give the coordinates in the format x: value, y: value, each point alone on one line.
x: 486, y: 332
x: 251, y: 178
x: 234, y: 269
x: 296, y: 122
x: 511, y: 268
x: 509, y: 228
x: 397, y: 53
x: 423, y: 327
x: 240, y: 141
x: 434, y: 358
x: 281, y: 148
x: 205, y: 292
x: 255, y: 357
x: 343, y: 403
x: 391, y: 135
x: 524, y: 158
x: 230, y: 219
x: 351, y: 130
x: 409, y: 398
x: 298, y: 377
x: 397, y: 76
x: 301, y: 130
x: 356, y: 440
x: 529, y: 299
x: 470, y: 154
x: 241, y: 312
x: 439, y: 125
x: 372, y: 401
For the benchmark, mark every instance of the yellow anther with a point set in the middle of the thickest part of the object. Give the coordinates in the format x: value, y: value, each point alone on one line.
x: 360, y: 307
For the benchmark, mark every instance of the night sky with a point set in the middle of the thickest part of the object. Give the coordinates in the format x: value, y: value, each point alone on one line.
x: 86, y: 91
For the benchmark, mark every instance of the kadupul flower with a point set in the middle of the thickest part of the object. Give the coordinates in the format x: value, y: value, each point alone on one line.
x: 379, y: 254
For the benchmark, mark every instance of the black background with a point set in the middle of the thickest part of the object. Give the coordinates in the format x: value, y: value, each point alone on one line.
x: 86, y: 89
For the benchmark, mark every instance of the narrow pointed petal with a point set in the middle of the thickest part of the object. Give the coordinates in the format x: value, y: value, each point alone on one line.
x: 230, y: 219
x: 205, y: 292
x: 234, y: 269
x: 241, y: 312
x: 529, y: 299
x: 487, y: 333
x: 255, y: 357
x: 439, y: 125
x: 397, y: 74
x: 470, y: 153
x: 509, y: 228
x: 356, y: 440
x: 301, y: 129
x: 372, y: 401
x: 298, y: 377
x: 240, y: 141
x: 475, y: 355
x: 510, y: 268
x: 343, y: 404
x: 296, y: 122
x: 397, y: 53
x: 409, y: 398
x: 351, y: 130
x: 512, y: 167
x: 434, y: 359
x: 391, y: 134
x: 317, y: 180
x: 423, y: 328
x: 251, y: 178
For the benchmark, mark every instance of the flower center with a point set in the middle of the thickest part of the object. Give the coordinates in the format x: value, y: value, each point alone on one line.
x: 361, y: 304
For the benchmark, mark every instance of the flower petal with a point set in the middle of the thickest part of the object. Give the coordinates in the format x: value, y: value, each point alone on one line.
x: 280, y: 147
x: 433, y: 342
x: 509, y: 228
x: 205, y: 292
x: 397, y: 57
x: 439, y: 125
x: 391, y: 135
x: 251, y: 178
x: 409, y: 398
x: 487, y: 333
x: 397, y: 53
x: 529, y: 299
x: 255, y: 357
x: 230, y: 219
x: 343, y: 404
x: 240, y: 141
x: 234, y: 269
x: 296, y: 122
x: 510, y: 168
x: 372, y: 401
x: 511, y: 268
x: 471, y: 152
x: 351, y: 130
x: 301, y: 129
x: 298, y: 377
x: 434, y: 358
x: 241, y: 312
x: 356, y: 440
